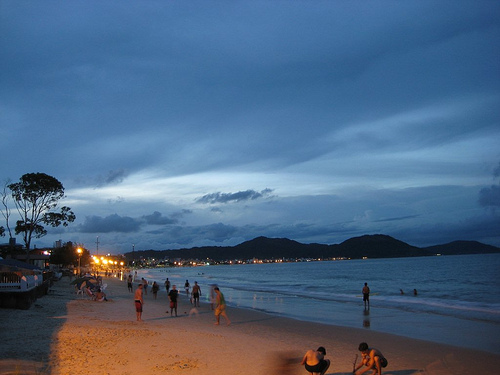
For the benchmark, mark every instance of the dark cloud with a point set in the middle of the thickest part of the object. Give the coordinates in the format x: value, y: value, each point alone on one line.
x: 111, y: 223
x: 156, y: 218
x: 496, y: 172
x: 113, y: 177
x: 490, y: 196
x: 203, y: 234
x: 233, y: 197
x: 180, y: 214
x: 396, y: 218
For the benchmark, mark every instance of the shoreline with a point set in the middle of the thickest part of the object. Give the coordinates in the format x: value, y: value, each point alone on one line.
x: 430, y: 316
x: 64, y: 333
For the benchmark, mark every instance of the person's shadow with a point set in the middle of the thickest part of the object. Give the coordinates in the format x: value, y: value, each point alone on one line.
x: 395, y: 372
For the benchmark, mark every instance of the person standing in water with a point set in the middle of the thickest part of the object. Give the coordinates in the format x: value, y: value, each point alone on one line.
x: 366, y: 295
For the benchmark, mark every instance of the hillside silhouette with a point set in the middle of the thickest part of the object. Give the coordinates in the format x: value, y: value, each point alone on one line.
x: 369, y: 246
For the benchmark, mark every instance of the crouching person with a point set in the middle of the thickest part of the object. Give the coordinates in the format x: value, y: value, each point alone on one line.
x: 315, y: 362
x: 372, y: 359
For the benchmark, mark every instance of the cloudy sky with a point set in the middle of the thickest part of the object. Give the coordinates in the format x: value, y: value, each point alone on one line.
x: 175, y: 124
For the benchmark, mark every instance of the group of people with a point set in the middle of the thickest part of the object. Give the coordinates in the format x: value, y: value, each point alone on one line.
x: 315, y: 362
x: 173, y: 296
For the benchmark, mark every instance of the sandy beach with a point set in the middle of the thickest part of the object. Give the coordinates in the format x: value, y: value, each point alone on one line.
x: 63, y: 333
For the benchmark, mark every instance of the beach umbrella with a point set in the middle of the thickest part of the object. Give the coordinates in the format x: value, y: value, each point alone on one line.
x: 88, y: 281
x: 77, y: 281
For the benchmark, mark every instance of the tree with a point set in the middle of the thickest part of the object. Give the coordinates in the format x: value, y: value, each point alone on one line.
x: 68, y: 255
x: 6, y: 209
x: 36, y: 196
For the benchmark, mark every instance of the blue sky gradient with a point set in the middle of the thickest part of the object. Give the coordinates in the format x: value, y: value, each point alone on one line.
x: 181, y: 124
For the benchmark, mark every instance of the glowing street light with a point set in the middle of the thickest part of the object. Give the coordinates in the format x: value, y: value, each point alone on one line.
x: 79, y: 251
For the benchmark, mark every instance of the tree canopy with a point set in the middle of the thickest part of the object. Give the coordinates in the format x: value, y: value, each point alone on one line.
x: 36, y: 197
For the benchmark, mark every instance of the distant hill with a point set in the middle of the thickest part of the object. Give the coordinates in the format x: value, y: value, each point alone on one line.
x: 462, y: 247
x: 377, y: 246
x: 370, y: 246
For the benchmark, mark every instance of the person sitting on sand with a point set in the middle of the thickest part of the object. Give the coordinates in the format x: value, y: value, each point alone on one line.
x: 100, y: 296
x: 315, y: 362
x: 371, y: 358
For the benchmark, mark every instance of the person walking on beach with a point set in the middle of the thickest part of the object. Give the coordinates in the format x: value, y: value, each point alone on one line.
x: 212, y: 295
x: 220, y: 306
x: 154, y: 288
x: 315, y: 362
x: 196, y: 292
x: 186, y: 288
x: 144, y: 285
x: 129, y: 283
x: 172, y: 296
x: 167, y: 285
x: 366, y: 295
x: 371, y: 358
x: 139, y: 301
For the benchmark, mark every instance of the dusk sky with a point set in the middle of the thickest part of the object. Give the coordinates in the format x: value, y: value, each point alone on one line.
x: 174, y: 124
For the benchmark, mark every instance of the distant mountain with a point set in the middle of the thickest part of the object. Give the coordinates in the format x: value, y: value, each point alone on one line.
x: 278, y: 248
x: 462, y: 247
x: 370, y: 246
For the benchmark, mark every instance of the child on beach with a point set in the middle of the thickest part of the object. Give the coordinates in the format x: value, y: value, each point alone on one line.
x: 371, y: 358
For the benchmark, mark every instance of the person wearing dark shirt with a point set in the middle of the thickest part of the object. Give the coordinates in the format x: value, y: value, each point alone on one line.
x: 172, y: 296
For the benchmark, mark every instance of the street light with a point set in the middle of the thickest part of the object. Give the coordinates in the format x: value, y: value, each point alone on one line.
x: 79, y: 251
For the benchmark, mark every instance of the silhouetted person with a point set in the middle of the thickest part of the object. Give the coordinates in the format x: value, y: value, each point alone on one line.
x: 366, y: 295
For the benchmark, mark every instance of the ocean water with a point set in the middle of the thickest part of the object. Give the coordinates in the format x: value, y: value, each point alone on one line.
x: 457, y: 299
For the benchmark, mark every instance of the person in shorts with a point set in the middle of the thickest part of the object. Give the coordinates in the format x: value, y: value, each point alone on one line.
x: 195, y: 294
x: 314, y: 361
x: 372, y: 359
x: 366, y: 295
x: 220, y: 307
x: 139, y: 301
x: 172, y: 297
